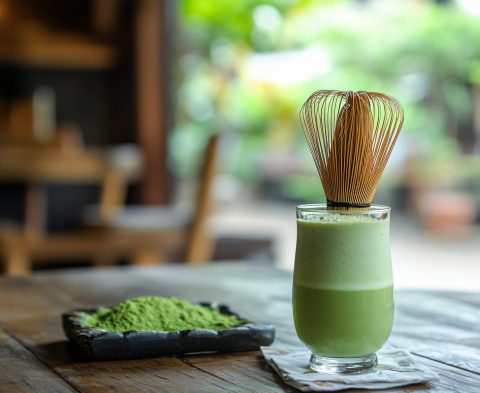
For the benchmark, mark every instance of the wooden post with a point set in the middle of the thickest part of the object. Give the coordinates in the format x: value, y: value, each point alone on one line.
x: 153, y: 110
x: 476, y: 113
x: 17, y: 259
x: 35, y: 211
x: 114, y: 191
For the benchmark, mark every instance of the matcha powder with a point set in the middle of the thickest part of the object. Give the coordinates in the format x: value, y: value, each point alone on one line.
x: 159, y: 313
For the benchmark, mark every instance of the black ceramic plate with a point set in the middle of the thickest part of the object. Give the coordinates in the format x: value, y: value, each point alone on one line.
x: 99, y: 344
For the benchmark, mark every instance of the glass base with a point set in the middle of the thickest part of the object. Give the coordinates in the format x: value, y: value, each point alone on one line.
x: 357, y: 365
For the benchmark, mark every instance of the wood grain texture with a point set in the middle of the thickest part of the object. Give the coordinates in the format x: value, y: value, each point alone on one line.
x: 440, y: 328
x: 247, y: 370
x: 21, y: 372
x: 443, y: 328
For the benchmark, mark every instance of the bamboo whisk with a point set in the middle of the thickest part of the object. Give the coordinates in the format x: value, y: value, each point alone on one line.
x: 351, y: 136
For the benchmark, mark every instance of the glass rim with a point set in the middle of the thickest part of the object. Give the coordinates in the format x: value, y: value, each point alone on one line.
x: 322, y: 208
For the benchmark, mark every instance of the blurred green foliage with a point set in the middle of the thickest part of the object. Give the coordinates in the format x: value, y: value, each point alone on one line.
x: 426, y: 55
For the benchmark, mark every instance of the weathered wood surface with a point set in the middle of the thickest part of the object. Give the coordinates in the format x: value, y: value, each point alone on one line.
x: 21, y: 371
x: 442, y: 329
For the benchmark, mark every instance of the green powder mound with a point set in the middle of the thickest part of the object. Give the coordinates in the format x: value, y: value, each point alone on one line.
x: 158, y: 313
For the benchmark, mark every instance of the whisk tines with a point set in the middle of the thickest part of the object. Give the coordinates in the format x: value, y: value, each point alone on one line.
x: 351, y: 136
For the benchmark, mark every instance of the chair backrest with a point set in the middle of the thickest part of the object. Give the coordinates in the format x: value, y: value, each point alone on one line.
x: 199, y: 244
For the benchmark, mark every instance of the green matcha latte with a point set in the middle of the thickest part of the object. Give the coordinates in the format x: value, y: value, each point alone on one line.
x: 343, y: 286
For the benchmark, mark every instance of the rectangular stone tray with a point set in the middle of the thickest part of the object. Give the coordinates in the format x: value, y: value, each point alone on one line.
x: 99, y: 344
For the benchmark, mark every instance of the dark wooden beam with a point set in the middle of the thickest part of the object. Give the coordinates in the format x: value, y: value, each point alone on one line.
x: 153, y: 30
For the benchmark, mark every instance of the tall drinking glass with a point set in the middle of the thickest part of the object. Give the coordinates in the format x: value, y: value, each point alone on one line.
x: 343, y: 286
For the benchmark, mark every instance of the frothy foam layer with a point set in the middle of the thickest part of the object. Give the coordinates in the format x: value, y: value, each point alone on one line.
x: 343, y: 252
x: 338, y: 218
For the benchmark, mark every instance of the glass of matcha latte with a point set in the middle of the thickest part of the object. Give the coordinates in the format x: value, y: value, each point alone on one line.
x: 343, y: 286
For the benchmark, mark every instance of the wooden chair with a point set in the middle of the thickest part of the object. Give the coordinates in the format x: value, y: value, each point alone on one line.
x: 154, y: 232
x: 145, y: 234
x: 59, y: 159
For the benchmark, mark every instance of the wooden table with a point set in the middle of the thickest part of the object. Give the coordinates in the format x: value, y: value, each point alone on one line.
x: 442, y: 329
